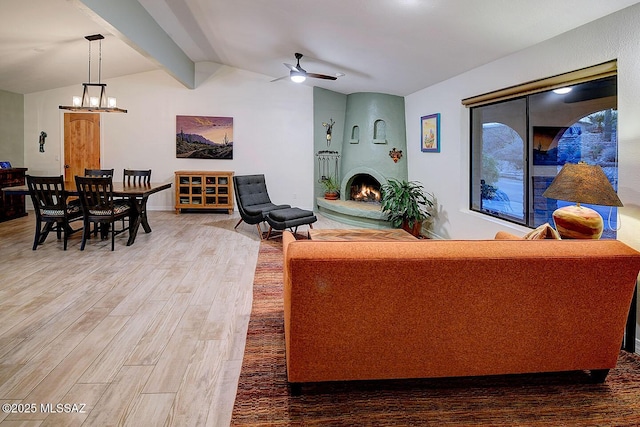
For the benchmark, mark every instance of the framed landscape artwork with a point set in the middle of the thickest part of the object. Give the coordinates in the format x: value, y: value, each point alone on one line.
x: 430, y: 132
x: 204, y: 137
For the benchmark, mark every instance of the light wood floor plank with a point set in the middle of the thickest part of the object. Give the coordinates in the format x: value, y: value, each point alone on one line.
x: 117, y: 405
x: 106, y: 366
x: 150, y: 334
x: 32, y: 373
x: 86, y: 396
x: 157, y: 336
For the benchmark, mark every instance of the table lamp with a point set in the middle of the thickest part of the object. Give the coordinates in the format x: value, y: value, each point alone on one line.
x: 581, y: 183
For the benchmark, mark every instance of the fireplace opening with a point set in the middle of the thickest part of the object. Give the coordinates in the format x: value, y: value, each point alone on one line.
x: 364, y: 188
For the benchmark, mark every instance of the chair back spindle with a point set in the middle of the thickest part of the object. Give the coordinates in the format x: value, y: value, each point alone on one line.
x: 99, y: 172
x: 136, y: 176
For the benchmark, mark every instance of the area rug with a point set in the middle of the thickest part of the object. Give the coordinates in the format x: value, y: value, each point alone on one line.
x: 560, y: 399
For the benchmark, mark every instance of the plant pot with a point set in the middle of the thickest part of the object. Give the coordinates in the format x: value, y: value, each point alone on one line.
x: 331, y: 195
x: 415, y: 230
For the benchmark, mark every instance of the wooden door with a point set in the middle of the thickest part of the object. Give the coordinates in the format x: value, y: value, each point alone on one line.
x: 81, y: 144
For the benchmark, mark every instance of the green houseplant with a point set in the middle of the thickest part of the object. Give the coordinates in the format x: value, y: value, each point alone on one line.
x: 406, y: 204
x: 331, y: 188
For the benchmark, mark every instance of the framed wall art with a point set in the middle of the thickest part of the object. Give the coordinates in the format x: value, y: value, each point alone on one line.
x: 204, y: 137
x: 430, y: 132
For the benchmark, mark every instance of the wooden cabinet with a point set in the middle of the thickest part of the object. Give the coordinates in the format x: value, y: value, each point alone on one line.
x: 204, y: 190
x: 12, y: 206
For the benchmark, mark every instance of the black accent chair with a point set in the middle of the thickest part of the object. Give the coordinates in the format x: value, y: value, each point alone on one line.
x: 51, y: 208
x: 100, y: 207
x: 253, y: 200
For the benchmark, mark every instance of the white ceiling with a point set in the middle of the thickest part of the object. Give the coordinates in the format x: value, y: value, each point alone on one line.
x: 387, y: 46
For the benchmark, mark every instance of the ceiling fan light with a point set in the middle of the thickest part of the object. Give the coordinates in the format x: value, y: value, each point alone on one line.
x: 297, y: 76
x: 562, y: 90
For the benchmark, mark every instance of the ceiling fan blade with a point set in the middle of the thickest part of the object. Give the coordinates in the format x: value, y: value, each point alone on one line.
x: 280, y: 78
x: 321, y: 76
x: 291, y: 67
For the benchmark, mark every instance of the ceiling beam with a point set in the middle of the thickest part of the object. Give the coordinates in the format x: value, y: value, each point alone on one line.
x: 130, y: 22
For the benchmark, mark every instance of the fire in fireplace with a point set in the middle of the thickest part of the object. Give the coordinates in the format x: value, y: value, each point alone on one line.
x: 365, y: 188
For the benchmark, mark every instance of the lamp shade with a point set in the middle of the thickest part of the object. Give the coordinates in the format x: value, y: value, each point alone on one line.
x: 583, y: 183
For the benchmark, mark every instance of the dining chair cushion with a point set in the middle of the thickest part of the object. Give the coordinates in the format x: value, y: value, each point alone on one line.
x: 118, y: 208
x: 71, y: 209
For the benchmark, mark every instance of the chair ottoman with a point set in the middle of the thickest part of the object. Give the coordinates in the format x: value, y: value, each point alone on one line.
x: 288, y: 218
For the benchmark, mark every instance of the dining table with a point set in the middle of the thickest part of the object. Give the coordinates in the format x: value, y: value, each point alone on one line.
x: 138, y: 194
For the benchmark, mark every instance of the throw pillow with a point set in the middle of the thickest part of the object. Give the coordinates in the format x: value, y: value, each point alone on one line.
x: 545, y: 231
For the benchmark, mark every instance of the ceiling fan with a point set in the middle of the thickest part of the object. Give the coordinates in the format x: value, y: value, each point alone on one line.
x: 298, y: 74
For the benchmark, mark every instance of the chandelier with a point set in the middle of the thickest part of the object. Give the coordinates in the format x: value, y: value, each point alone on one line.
x: 87, y: 102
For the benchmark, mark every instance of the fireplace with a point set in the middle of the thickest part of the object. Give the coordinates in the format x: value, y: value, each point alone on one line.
x: 373, y: 127
x: 364, y: 188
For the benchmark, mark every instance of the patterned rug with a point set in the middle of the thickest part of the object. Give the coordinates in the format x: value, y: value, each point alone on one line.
x: 565, y: 399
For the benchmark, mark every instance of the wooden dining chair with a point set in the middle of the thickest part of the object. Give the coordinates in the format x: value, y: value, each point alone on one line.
x: 99, y: 172
x: 136, y: 177
x: 51, y: 208
x: 99, y: 206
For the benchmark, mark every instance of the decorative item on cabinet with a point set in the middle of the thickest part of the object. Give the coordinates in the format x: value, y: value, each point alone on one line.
x: 12, y: 206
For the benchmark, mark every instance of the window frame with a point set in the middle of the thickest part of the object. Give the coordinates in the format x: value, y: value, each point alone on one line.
x: 523, y: 91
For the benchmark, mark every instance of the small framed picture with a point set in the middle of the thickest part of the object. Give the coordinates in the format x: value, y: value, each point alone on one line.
x: 430, y: 132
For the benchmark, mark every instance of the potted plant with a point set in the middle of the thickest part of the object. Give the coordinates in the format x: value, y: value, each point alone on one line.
x: 406, y: 204
x: 331, y: 188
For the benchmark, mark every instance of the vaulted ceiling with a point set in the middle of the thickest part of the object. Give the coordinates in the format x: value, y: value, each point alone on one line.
x: 388, y: 46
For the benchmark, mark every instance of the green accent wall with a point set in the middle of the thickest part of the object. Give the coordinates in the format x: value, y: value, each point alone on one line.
x: 327, y: 105
x: 374, y: 125
x: 12, y: 128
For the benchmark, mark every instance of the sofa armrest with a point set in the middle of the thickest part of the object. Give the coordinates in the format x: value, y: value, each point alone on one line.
x: 287, y: 237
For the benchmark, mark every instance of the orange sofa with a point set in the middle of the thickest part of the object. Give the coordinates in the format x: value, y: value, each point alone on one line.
x: 440, y: 308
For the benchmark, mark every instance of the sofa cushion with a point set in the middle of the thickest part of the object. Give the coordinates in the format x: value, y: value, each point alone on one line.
x: 545, y: 231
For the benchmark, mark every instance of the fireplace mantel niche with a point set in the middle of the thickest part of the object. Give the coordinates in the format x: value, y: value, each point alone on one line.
x: 374, y: 124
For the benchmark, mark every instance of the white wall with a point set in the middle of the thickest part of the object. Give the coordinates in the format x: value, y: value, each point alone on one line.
x: 272, y: 130
x: 447, y: 174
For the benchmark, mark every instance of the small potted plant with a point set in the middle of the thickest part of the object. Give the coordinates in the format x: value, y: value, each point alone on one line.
x: 406, y: 204
x: 331, y: 188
